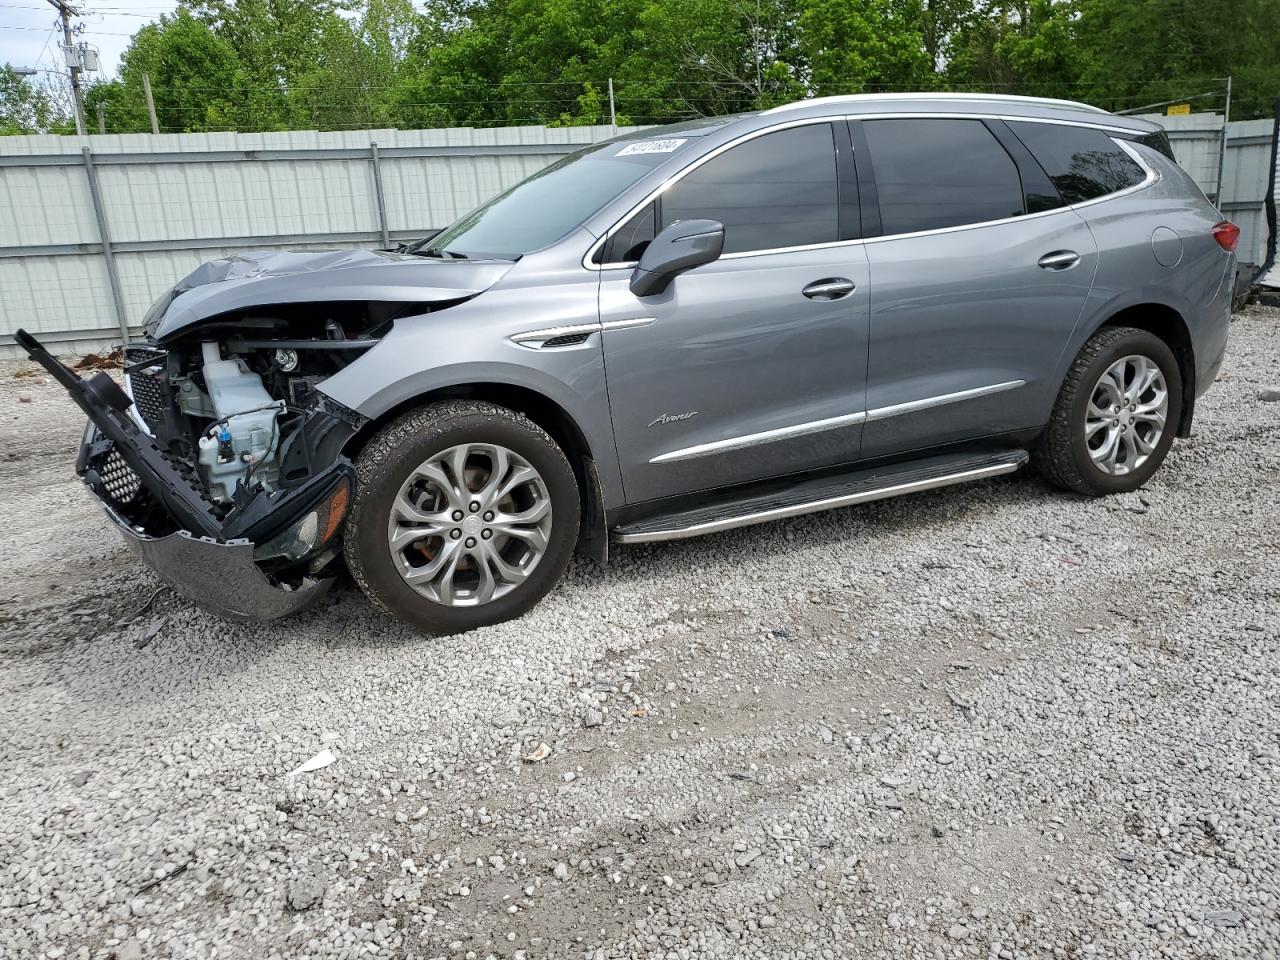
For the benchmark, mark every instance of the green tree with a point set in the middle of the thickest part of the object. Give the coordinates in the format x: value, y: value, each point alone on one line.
x: 192, y: 73
x: 25, y: 107
x: 1018, y: 46
x: 851, y: 47
x: 1153, y: 50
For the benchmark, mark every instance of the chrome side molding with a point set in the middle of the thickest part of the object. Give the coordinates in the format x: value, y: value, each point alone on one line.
x: 765, y: 436
x: 912, y: 406
x: 831, y: 423
x: 537, y: 339
x: 574, y: 335
x: 627, y: 324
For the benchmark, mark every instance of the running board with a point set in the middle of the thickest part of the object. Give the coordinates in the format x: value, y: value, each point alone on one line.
x: 827, y: 493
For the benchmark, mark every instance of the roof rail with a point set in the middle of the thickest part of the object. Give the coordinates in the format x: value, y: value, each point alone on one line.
x: 977, y: 97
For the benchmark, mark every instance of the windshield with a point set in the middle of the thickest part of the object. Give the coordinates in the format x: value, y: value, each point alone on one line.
x: 545, y: 207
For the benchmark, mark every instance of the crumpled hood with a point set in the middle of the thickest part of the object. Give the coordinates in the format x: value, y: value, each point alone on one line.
x: 266, y: 277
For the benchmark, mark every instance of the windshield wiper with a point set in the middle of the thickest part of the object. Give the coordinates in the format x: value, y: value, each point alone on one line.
x: 440, y: 253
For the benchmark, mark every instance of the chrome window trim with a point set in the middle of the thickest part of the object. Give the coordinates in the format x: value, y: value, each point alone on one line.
x: 754, y: 439
x: 1152, y: 177
x: 831, y: 423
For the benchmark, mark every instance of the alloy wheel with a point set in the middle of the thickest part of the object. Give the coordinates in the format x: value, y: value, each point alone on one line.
x: 470, y: 524
x: 1127, y: 414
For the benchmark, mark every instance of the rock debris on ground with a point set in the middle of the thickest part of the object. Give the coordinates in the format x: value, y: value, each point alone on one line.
x: 990, y: 721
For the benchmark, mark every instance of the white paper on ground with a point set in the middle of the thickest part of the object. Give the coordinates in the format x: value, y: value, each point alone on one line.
x: 318, y: 762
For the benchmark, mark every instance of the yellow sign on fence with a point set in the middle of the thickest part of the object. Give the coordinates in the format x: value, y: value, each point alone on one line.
x: 1178, y: 110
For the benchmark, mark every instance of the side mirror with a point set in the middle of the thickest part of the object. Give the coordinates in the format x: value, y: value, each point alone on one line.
x: 680, y: 247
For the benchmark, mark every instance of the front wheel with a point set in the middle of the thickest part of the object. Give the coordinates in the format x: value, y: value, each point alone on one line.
x: 1115, y: 416
x: 465, y: 515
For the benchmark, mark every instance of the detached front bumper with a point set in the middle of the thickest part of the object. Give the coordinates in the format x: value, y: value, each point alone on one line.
x: 258, y: 558
x: 221, y: 577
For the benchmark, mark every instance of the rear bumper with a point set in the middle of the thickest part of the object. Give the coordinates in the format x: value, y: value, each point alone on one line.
x: 221, y: 577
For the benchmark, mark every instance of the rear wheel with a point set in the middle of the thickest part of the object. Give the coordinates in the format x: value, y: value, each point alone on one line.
x: 1116, y: 414
x: 465, y: 515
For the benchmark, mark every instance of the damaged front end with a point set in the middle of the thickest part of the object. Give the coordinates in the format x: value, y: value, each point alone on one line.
x: 220, y: 459
x: 221, y: 463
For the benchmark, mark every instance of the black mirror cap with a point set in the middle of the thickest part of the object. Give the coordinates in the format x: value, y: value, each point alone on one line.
x: 680, y: 247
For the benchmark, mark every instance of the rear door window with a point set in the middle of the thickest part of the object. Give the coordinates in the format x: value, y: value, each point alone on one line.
x: 1084, y: 163
x: 936, y: 173
x: 777, y: 190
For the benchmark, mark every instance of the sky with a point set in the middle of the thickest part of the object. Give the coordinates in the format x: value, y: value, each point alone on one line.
x: 28, y: 37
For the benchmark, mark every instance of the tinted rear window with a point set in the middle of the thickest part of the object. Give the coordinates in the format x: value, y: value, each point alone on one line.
x: 935, y: 173
x: 1083, y: 163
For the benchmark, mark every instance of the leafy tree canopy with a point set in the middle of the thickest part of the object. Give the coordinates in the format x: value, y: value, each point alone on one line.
x: 340, y: 64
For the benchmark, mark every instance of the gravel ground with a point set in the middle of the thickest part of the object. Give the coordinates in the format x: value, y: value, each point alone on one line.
x: 989, y: 721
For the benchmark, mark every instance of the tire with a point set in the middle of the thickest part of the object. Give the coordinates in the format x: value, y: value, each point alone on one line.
x: 391, y: 481
x: 1073, y: 452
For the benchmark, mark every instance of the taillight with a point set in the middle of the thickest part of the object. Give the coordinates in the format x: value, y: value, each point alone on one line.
x: 1227, y: 234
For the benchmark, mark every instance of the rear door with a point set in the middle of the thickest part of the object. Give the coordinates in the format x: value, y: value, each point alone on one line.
x: 978, y: 276
x: 752, y: 366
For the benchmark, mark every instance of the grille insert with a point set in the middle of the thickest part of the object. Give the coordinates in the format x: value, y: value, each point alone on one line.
x: 148, y: 396
x: 146, y: 383
x: 118, y: 479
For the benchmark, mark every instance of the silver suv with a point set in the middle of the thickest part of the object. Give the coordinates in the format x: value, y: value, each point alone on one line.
x: 678, y: 331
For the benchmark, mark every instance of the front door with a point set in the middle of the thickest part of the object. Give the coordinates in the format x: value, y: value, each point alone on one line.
x: 752, y: 366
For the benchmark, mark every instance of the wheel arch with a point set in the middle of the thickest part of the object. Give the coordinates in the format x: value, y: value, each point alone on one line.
x: 593, y: 537
x: 1166, y: 323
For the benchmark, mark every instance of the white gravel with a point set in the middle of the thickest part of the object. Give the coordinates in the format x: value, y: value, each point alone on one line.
x: 989, y: 721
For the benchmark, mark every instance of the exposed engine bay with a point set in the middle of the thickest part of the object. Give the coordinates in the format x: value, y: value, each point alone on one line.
x: 220, y: 434
x: 235, y: 408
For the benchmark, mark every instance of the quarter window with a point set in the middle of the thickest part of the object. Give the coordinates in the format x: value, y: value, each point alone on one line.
x: 935, y: 173
x: 628, y: 242
x: 778, y: 190
x: 1083, y: 163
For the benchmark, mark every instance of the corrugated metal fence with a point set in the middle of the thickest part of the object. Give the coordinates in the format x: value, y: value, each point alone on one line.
x: 1197, y: 143
x: 167, y: 203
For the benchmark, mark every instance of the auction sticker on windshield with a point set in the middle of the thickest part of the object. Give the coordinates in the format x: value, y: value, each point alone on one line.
x: 650, y: 146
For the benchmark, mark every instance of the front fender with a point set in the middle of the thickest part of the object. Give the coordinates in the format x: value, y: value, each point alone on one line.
x: 433, y: 353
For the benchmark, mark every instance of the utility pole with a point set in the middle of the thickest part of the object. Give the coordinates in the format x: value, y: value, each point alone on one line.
x: 1222, y: 147
x: 74, y: 64
x: 151, y: 103
x: 613, y: 110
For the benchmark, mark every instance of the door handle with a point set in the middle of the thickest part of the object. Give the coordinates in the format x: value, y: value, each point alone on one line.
x: 832, y: 288
x: 1059, y: 260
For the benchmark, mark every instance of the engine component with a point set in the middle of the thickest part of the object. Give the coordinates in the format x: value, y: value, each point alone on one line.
x: 242, y: 443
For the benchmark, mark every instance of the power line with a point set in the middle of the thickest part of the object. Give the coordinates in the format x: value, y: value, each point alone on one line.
x: 101, y: 33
